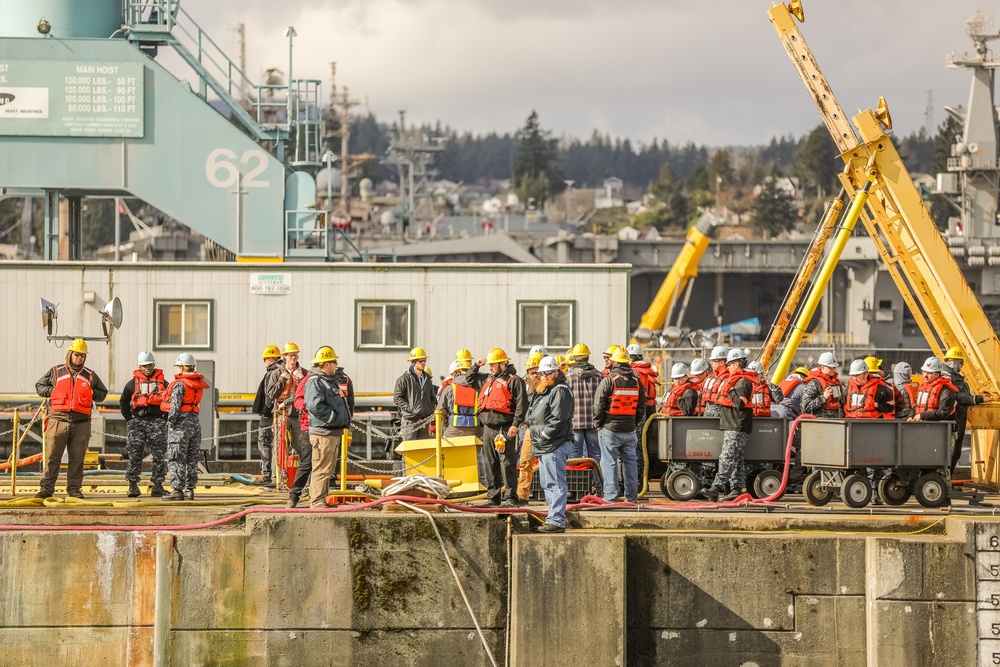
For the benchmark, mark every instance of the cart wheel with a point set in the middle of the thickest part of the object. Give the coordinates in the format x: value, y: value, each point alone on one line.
x: 664, y: 487
x: 815, y: 495
x: 856, y: 491
x: 767, y: 483
x: 931, y: 490
x: 751, y: 478
x: 683, y: 485
x: 893, y: 490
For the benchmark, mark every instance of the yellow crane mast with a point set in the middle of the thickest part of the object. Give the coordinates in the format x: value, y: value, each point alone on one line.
x: 909, y: 243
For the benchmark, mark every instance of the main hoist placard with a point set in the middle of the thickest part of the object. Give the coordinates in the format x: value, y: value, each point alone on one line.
x: 71, y: 99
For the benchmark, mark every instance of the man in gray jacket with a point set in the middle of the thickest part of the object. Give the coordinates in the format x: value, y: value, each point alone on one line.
x: 619, y: 412
x: 550, y: 419
x: 414, y: 397
x: 329, y: 415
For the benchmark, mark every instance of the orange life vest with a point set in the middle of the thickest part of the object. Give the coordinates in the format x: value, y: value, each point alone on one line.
x: 496, y: 396
x: 647, y: 375
x: 444, y: 385
x: 728, y: 383
x: 789, y: 384
x: 194, y: 387
x: 860, y: 402
x: 72, y: 394
x: 671, y: 405
x: 466, y: 406
x: 148, y: 391
x: 712, y: 384
x: 836, y: 400
x: 624, y: 395
x: 696, y: 382
x: 911, y: 390
x: 929, y: 395
x: 760, y: 399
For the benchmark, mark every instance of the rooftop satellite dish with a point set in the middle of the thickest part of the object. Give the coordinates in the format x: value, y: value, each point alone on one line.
x: 48, y: 315
x: 111, y: 316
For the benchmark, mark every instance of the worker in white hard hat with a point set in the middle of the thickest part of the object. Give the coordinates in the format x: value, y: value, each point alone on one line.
x: 145, y: 424
x: 682, y: 398
x: 697, y: 373
x: 550, y: 420
x: 72, y: 390
x: 736, y: 424
x: 868, y: 396
x: 183, y: 426
x: 713, y: 381
x: 647, y: 373
x: 823, y: 395
x: 936, y: 396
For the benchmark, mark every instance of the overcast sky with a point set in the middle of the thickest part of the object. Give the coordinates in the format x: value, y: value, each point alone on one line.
x: 709, y: 72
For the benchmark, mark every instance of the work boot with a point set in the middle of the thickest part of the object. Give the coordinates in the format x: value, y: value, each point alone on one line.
x: 488, y: 503
x: 293, y: 500
x: 265, y: 481
x: 188, y: 494
x: 551, y: 528
x: 157, y: 491
x: 133, y: 490
x: 176, y: 494
x: 75, y: 494
x: 43, y: 494
x: 711, y: 493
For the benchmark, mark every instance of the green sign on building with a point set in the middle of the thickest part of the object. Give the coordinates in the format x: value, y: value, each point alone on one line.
x: 71, y: 99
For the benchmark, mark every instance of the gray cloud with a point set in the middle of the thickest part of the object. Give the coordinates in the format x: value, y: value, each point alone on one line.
x: 635, y: 68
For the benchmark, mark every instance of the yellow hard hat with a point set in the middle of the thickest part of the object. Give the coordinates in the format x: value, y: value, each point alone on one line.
x: 954, y: 352
x: 580, y: 350
x: 417, y: 353
x: 532, y: 361
x: 497, y: 356
x: 620, y: 356
x: 324, y: 354
x: 463, y: 355
x: 611, y: 350
x: 270, y: 352
x: 464, y: 364
x: 79, y: 346
x: 874, y: 365
x: 561, y: 360
x: 802, y: 370
x: 290, y: 348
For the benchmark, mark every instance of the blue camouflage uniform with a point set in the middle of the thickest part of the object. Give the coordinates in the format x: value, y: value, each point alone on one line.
x: 183, y: 442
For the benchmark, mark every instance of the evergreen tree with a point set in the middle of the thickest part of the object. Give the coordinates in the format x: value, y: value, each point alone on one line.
x: 817, y: 160
x: 535, y: 171
x: 772, y: 209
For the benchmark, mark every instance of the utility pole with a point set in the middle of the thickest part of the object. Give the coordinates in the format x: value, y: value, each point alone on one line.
x: 241, y: 33
x: 340, y: 109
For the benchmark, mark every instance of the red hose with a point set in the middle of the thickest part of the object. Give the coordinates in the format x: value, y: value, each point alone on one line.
x: 26, y: 461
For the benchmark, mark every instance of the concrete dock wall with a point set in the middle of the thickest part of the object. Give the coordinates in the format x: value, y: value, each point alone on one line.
x: 374, y: 589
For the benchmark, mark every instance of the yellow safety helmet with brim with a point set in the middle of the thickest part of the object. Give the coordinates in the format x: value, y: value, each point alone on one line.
x: 290, y: 348
x: 497, y: 356
x: 79, y: 346
x: 533, y: 361
x: 954, y: 352
x: 270, y: 352
x: 463, y: 355
x: 620, y: 356
x: 417, y: 354
x: 579, y: 350
x: 611, y: 350
x: 324, y: 354
x: 874, y: 365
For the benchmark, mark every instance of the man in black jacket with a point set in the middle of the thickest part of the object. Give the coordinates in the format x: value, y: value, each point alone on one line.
x: 954, y: 360
x: 415, y: 396
x: 619, y: 411
x: 550, y: 420
x: 264, y: 407
x: 503, y: 402
x: 736, y: 424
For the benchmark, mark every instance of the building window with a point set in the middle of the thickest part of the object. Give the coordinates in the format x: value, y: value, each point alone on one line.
x: 384, y: 325
x: 545, y: 323
x: 183, y: 324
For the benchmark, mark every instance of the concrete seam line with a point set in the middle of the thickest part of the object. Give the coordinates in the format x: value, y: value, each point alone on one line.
x: 451, y: 567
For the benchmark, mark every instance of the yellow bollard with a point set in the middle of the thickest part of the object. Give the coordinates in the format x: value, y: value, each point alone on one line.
x: 439, y: 455
x: 345, y: 443
x: 45, y: 450
x: 13, y: 455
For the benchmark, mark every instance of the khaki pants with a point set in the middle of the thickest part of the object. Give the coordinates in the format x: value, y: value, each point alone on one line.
x: 324, y: 460
x: 61, y: 436
x: 527, y: 465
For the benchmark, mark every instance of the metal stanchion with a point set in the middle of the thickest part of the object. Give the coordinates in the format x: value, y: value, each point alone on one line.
x: 439, y: 469
x: 13, y: 454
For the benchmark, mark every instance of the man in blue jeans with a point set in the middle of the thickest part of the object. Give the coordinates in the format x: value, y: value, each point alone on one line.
x: 619, y: 410
x: 582, y: 379
x: 550, y: 418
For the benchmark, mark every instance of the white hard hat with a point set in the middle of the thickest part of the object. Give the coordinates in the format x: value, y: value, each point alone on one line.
x: 146, y: 358
x: 735, y: 354
x: 719, y: 353
x: 185, y: 359
x: 547, y: 365
x: 932, y: 365
x: 538, y: 349
x: 454, y: 366
x: 634, y: 350
x: 828, y: 359
x: 678, y: 371
x: 858, y: 366
x: 756, y: 367
x: 698, y: 366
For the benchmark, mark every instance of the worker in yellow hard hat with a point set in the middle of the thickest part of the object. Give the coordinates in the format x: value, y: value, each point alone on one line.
x: 954, y: 360
x: 264, y: 408
x: 328, y: 415
x: 503, y: 403
x: 72, y: 390
x: 608, y: 353
x: 582, y: 379
x: 281, y: 384
x: 791, y: 388
x: 415, y: 397
x: 526, y: 464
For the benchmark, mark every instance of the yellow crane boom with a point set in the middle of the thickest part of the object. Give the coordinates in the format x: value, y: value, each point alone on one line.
x: 679, y: 279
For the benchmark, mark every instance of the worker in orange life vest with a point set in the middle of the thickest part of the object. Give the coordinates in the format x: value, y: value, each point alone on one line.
x: 459, y: 403
x: 868, y: 396
x: 823, y: 395
x: 647, y: 374
x: 936, y: 396
x: 72, y: 390
x: 712, y: 383
x: 682, y: 397
x: 619, y: 412
x: 181, y: 402
x: 146, y: 424
x: 765, y: 394
x: 696, y: 376
x: 791, y: 388
x: 736, y: 424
